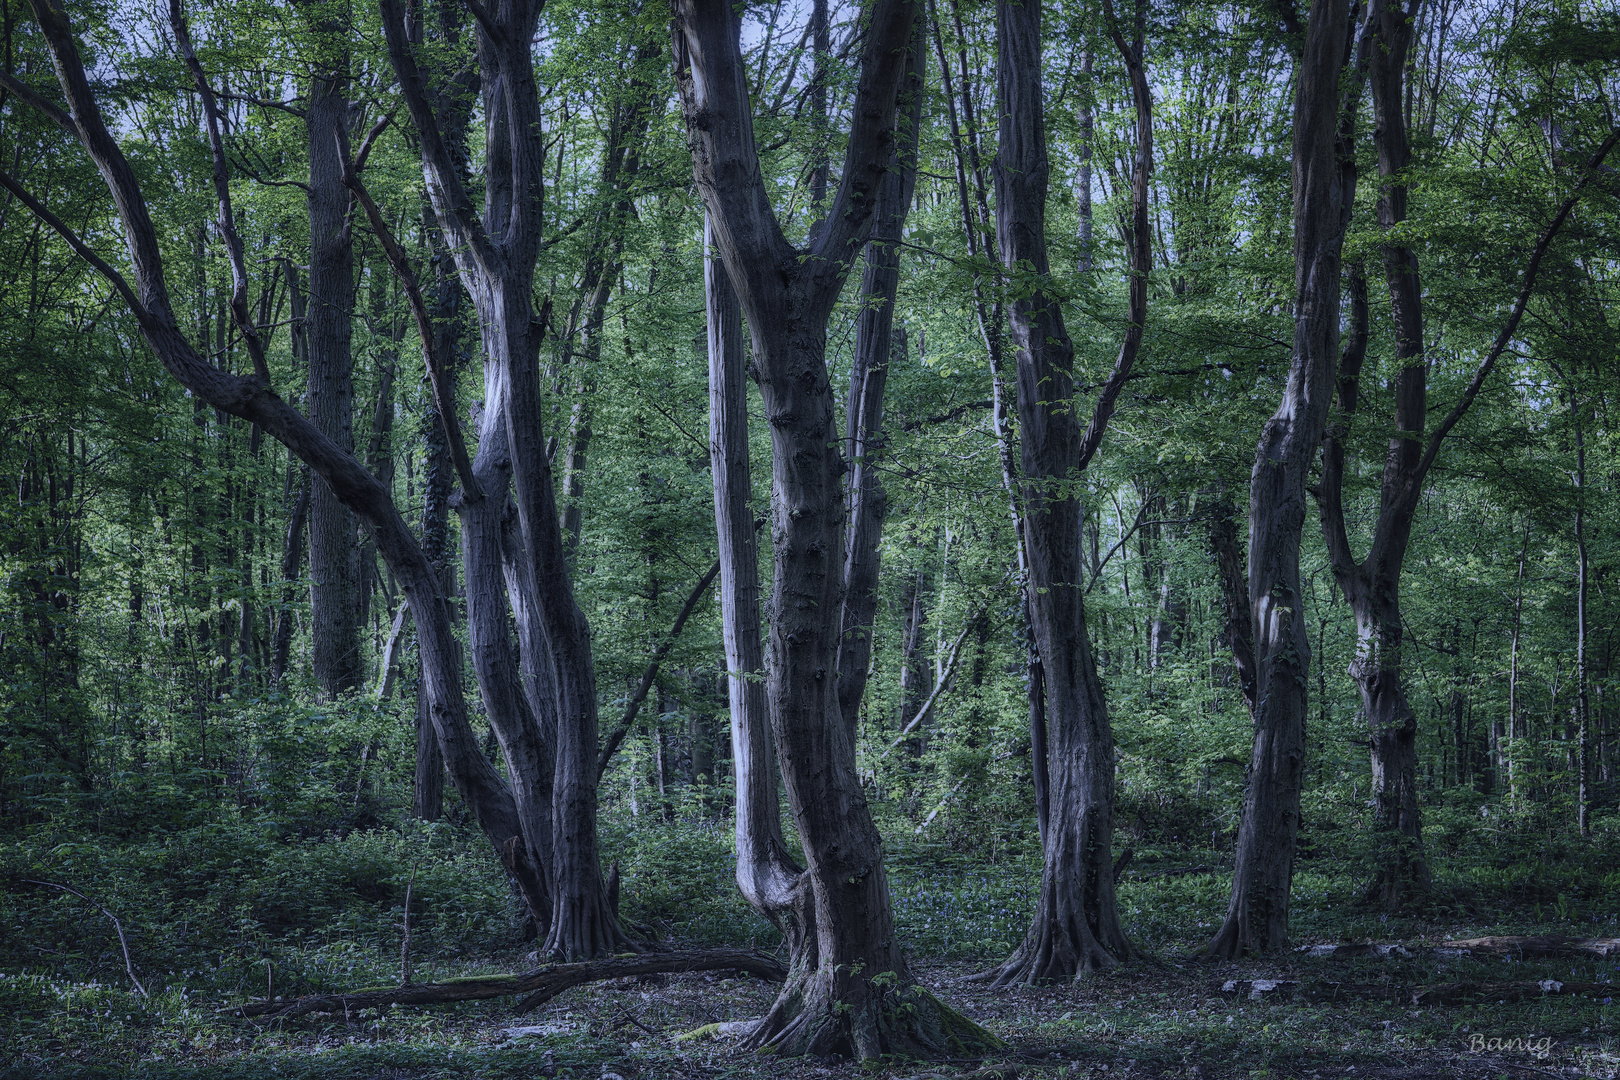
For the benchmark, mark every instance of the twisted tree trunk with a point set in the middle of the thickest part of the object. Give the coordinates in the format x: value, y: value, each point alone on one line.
x: 858, y: 997
x: 1257, y: 914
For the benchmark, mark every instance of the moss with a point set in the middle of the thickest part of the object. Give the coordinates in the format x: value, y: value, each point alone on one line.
x: 707, y: 1031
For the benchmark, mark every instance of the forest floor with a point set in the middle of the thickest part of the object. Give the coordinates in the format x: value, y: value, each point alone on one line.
x: 213, y: 913
x: 1163, y: 1018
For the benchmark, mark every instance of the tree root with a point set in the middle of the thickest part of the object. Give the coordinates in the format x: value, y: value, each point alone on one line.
x: 866, y: 1020
x: 541, y: 984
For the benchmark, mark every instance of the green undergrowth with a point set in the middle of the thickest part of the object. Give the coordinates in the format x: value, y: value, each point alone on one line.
x: 222, y: 911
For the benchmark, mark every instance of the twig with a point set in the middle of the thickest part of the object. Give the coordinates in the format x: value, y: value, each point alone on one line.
x: 123, y: 942
x: 939, y: 687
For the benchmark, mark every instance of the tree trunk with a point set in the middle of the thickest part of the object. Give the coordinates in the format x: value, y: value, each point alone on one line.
x: 495, y: 253
x: 1076, y: 924
x: 768, y: 878
x: 333, y: 558
x: 1257, y: 915
x: 292, y: 559
x: 858, y: 996
x: 876, y: 346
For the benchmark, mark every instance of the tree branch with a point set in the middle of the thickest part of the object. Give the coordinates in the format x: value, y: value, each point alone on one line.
x: 611, y: 746
x: 437, y: 366
x: 1527, y: 284
x: 226, y: 223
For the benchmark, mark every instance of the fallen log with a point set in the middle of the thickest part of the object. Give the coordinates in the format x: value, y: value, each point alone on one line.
x: 541, y: 985
x: 1462, y: 993
x: 1457, y: 993
x: 1541, y: 946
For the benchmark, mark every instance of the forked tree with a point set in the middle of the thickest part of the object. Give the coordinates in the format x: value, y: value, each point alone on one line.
x: 855, y: 994
x: 1076, y: 925
x: 495, y: 253
x: 1372, y: 584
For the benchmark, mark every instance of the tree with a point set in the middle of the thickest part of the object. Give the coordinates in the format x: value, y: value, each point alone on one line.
x: 856, y: 995
x: 1323, y: 190
x: 1076, y: 924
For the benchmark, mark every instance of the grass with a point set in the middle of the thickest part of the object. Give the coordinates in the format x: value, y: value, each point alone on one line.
x: 323, y: 915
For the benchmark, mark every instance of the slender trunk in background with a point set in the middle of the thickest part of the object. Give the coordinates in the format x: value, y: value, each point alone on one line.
x: 877, y: 345
x: 1220, y: 523
x: 913, y: 672
x: 768, y: 878
x: 859, y: 998
x: 292, y: 558
x: 1088, y: 124
x: 621, y: 162
x: 1257, y: 915
x: 1076, y: 924
x: 1583, y: 710
x: 334, y: 588
x: 974, y: 202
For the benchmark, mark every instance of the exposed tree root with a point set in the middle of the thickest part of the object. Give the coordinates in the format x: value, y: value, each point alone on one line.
x: 824, y: 1013
x: 541, y: 984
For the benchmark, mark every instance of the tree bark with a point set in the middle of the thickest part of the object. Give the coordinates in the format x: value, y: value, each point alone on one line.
x: 1257, y: 915
x: 876, y: 346
x: 859, y: 997
x: 334, y: 567
x: 1076, y: 925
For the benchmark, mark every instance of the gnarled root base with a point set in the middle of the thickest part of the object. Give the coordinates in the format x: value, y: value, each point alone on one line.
x: 821, y: 1014
x: 1057, y: 950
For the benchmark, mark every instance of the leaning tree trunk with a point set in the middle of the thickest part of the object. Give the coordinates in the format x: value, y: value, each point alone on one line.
x: 334, y: 567
x: 1076, y: 925
x: 1257, y: 915
x: 859, y: 997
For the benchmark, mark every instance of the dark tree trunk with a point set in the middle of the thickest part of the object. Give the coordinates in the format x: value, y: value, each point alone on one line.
x: 1257, y: 915
x: 1076, y: 924
x: 292, y: 560
x: 859, y: 997
x: 334, y: 588
x: 1220, y: 523
x: 495, y: 253
x: 876, y: 346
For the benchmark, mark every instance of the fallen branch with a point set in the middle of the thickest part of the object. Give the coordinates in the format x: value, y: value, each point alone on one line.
x: 123, y: 943
x: 1458, y: 993
x: 541, y: 984
x: 1547, y: 946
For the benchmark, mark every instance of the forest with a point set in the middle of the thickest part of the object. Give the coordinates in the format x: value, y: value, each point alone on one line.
x: 797, y: 538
